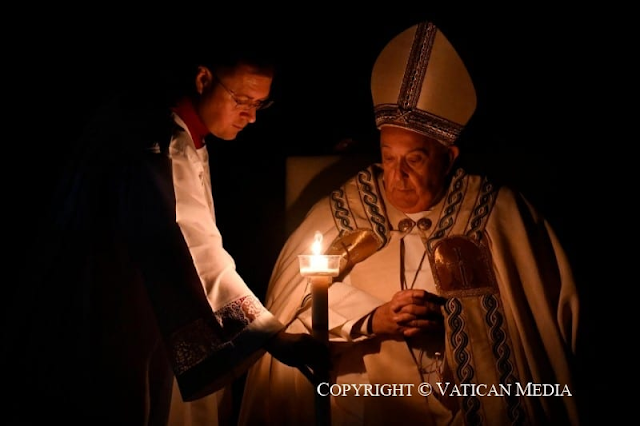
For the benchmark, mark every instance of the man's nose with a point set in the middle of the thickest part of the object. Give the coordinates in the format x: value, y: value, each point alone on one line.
x: 251, y: 114
x: 402, y: 168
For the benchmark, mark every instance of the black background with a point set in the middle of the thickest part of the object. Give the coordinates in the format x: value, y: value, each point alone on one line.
x: 529, y: 66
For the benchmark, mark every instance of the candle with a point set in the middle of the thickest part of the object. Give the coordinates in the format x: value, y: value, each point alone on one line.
x: 319, y: 269
x: 320, y: 307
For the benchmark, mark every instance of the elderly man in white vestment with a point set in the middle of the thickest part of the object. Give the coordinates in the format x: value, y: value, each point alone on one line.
x: 453, y: 291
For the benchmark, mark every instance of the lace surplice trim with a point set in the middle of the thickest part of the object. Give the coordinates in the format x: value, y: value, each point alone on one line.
x: 200, y: 339
x: 236, y: 315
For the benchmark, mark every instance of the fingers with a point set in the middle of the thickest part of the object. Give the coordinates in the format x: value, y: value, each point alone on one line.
x: 410, y: 332
x: 415, y: 297
x: 410, y: 324
x: 406, y: 297
x: 423, y: 323
x: 417, y: 326
x: 300, y: 349
x: 418, y: 310
x: 403, y: 318
x: 411, y: 321
x: 408, y: 319
x: 408, y: 310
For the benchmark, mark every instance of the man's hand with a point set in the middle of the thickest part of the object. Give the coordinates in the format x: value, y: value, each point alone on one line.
x: 300, y: 350
x: 409, y: 312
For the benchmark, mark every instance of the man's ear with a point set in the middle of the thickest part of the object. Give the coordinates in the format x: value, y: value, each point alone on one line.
x: 452, y: 152
x: 204, y: 79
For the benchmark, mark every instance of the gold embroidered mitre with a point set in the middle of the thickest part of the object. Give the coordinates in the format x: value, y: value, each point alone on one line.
x: 420, y: 83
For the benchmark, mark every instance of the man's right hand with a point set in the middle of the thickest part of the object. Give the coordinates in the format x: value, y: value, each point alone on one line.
x: 300, y: 350
x: 409, y: 312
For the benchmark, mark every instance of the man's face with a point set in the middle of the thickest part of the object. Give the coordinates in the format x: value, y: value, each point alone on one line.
x: 228, y: 101
x: 415, y: 168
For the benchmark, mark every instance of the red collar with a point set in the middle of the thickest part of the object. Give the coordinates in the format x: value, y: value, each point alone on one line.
x: 186, y: 111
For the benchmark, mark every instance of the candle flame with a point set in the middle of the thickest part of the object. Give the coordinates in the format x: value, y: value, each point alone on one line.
x: 316, y: 247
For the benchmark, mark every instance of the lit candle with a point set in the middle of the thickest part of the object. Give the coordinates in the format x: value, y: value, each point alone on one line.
x: 319, y: 269
x: 319, y: 264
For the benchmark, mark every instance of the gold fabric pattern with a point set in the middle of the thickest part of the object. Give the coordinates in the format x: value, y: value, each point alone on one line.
x: 431, y: 125
x: 354, y: 247
x: 417, y: 66
x: 462, y: 268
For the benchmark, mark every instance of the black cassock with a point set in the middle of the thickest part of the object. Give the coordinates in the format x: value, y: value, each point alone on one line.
x: 113, y: 305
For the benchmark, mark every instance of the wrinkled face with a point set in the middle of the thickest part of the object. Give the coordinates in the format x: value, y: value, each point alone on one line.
x: 228, y: 101
x: 415, y: 168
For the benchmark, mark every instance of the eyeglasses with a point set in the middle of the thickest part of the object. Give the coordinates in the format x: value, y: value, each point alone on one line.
x: 245, y: 104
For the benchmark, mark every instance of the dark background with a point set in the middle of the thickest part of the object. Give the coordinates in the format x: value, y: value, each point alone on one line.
x: 529, y: 66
